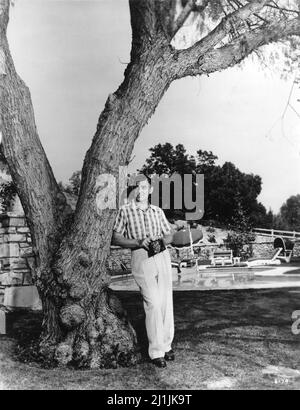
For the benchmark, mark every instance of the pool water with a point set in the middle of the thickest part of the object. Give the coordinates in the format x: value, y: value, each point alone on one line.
x: 224, y: 278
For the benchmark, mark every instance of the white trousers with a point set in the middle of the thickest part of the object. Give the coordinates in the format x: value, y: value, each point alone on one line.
x: 154, y: 278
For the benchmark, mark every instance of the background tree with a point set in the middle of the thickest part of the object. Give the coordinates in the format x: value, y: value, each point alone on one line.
x: 205, y: 161
x: 289, y: 214
x: 74, y: 184
x: 227, y: 190
x: 84, y: 323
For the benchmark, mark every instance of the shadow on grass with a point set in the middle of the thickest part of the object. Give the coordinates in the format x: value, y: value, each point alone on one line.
x: 223, y: 339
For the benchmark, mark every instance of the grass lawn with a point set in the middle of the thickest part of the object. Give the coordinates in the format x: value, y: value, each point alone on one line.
x: 224, y: 340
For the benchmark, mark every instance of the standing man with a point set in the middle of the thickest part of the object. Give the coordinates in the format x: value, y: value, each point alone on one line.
x: 144, y: 228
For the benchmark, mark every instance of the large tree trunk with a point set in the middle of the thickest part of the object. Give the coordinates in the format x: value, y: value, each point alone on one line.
x: 84, y: 323
x: 94, y: 328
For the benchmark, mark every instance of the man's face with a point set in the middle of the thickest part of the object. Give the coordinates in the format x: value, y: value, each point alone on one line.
x: 144, y: 190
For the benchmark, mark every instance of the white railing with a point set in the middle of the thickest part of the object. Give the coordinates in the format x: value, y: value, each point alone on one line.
x: 276, y: 232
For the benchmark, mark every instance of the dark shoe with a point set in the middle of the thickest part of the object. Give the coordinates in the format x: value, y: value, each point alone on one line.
x: 170, y: 355
x: 159, y: 362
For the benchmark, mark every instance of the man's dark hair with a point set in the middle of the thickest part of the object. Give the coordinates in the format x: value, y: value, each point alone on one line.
x: 134, y: 181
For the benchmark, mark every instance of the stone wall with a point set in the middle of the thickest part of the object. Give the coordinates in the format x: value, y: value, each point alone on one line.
x: 261, y: 248
x: 16, y: 256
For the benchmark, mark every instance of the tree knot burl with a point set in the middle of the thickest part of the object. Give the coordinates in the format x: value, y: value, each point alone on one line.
x: 84, y: 259
x: 72, y: 316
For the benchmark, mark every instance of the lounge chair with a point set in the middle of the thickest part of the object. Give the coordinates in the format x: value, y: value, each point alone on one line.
x: 265, y: 261
x: 287, y: 249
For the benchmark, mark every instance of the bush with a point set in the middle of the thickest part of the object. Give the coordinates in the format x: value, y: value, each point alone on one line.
x: 240, y: 243
x: 8, y: 193
x: 211, y: 238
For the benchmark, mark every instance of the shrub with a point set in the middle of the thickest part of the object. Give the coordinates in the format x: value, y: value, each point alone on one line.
x: 240, y: 243
x: 211, y: 238
x: 8, y: 193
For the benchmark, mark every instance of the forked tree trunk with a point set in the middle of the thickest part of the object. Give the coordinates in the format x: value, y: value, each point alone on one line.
x: 94, y: 330
x: 84, y: 323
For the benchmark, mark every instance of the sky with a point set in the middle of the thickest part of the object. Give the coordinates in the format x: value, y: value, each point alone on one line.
x: 73, y: 53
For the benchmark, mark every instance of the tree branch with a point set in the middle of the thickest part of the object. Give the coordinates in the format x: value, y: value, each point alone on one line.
x: 144, y: 24
x: 44, y: 205
x: 233, y: 53
x: 222, y: 29
x: 186, y: 11
x: 284, y: 9
x: 189, y: 7
x: 4, y: 15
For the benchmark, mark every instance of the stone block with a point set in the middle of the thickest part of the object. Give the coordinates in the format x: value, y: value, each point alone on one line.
x: 24, y: 245
x: 9, y: 250
x: 23, y: 230
x: 4, y: 250
x: 11, y: 229
x: 19, y: 263
x: 24, y: 252
x: 15, y: 221
x: 13, y: 237
x: 11, y: 278
x: 22, y: 297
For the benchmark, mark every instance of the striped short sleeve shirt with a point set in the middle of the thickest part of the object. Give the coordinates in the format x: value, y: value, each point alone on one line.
x: 136, y: 223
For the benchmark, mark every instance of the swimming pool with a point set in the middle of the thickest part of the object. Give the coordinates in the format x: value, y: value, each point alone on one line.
x: 223, y: 278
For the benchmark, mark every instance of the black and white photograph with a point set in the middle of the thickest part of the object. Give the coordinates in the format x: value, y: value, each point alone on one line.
x: 149, y: 197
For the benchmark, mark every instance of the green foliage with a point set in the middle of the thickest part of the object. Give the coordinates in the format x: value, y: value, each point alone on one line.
x: 289, y: 215
x: 211, y: 238
x: 8, y: 190
x: 240, y: 243
x: 74, y: 186
x: 226, y: 188
x: 240, y: 237
x: 205, y: 160
x: 8, y: 193
x: 75, y: 182
x: 166, y: 159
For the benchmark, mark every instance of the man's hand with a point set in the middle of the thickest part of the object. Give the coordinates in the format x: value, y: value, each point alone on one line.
x: 144, y: 243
